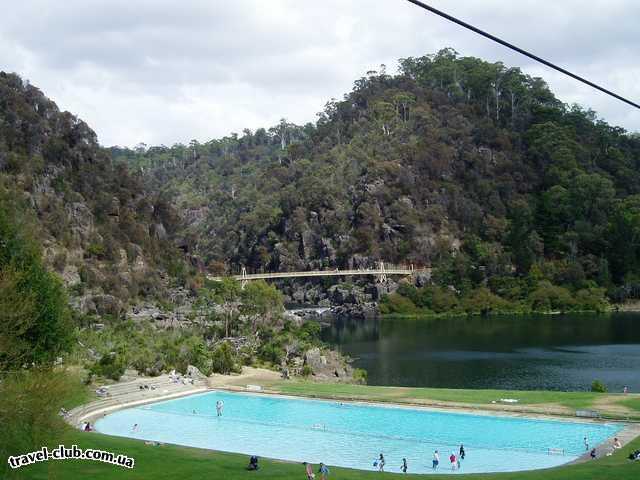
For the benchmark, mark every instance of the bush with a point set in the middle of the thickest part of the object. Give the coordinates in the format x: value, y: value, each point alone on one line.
x: 395, y: 303
x: 548, y: 297
x: 442, y: 299
x: 592, y: 299
x: 223, y: 359
x: 271, y: 352
x: 109, y: 366
x: 598, y: 386
x: 482, y: 301
x: 360, y: 375
x: 96, y: 250
x: 306, y: 371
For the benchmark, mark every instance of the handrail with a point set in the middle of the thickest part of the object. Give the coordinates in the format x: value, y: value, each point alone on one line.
x: 323, y: 273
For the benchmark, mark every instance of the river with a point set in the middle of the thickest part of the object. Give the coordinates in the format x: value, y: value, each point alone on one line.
x: 524, y: 352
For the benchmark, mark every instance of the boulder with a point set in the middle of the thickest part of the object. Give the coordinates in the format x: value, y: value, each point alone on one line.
x: 315, y: 359
x: 107, y: 304
x: 194, y: 373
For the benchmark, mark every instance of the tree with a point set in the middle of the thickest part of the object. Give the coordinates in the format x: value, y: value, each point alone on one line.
x: 227, y: 293
x: 261, y: 301
x: 35, y: 322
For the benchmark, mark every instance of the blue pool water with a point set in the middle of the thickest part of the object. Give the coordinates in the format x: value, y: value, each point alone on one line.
x: 353, y: 435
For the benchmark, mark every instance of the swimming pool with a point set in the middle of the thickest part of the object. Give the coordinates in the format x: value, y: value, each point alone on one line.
x: 353, y: 435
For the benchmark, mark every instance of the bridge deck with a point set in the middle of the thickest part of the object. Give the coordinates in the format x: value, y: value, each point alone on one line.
x: 323, y: 273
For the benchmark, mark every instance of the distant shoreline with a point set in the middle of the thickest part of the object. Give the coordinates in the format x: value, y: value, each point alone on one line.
x: 616, y: 308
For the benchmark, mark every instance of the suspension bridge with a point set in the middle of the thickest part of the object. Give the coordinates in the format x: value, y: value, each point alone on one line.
x: 381, y: 272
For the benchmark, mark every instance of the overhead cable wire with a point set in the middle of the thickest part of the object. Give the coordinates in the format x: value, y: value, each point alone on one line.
x: 521, y: 51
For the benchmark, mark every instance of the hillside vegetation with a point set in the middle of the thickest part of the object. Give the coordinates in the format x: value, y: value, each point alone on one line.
x: 471, y: 167
x: 107, y: 237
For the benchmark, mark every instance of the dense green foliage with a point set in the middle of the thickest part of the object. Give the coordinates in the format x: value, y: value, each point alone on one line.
x: 35, y: 324
x: 469, y: 166
x: 598, y: 386
x: 240, y: 327
x: 525, y: 296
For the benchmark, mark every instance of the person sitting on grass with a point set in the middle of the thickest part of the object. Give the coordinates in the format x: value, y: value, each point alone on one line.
x: 253, y: 463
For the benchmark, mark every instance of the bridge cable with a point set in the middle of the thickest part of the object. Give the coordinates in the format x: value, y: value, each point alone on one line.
x: 521, y: 51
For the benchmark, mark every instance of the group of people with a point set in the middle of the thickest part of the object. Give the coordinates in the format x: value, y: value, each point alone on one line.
x: 323, y: 470
x: 454, y: 460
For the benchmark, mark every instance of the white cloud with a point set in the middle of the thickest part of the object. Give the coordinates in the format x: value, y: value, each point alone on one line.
x: 161, y: 71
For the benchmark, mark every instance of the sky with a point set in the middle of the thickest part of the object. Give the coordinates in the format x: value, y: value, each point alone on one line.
x: 166, y: 71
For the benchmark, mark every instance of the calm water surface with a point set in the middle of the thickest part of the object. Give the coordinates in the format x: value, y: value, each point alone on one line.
x: 558, y: 352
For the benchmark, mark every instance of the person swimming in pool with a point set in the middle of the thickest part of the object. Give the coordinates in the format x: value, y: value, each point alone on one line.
x: 381, y: 463
x: 462, y: 452
x: 436, y: 460
x: 404, y: 465
x: 219, y: 407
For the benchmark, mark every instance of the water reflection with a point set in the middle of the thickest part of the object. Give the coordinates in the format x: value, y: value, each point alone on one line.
x: 523, y: 352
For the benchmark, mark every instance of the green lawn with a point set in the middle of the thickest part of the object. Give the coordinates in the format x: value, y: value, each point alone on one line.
x: 632, y: 403
x: 177, y: 463
x: 570, y: 400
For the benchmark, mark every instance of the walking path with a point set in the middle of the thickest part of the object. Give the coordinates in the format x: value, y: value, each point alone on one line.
x: 129, y: 394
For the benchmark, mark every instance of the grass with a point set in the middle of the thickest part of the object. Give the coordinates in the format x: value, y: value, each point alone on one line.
x: 570, y: 400
x: 632, y: 403
x: 173, y: 462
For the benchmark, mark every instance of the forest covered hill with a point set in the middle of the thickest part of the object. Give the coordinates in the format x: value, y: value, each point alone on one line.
x: 108, y: 238
x: 472, y: 167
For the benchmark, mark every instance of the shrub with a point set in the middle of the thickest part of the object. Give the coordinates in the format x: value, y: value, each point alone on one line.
x: 598, y: 386
x: 271, y: 352
x: 592, y: 299
x: 306, y: 371
x: 223, y: 359
x: 109, y: 366
x: 360, y: 375
x: 442, y: 300
x: 395, y: 303
x: 482, y: 301
x: 96, y: 250
x: 548, y: 297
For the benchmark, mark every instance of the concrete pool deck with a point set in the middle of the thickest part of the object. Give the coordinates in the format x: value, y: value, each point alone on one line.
x: 128, y: 395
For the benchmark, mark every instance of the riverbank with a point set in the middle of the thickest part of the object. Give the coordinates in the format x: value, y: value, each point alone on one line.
x: 615, y: 308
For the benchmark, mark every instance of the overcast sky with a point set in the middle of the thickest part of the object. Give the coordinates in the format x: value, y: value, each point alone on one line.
x: 160, y: 71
